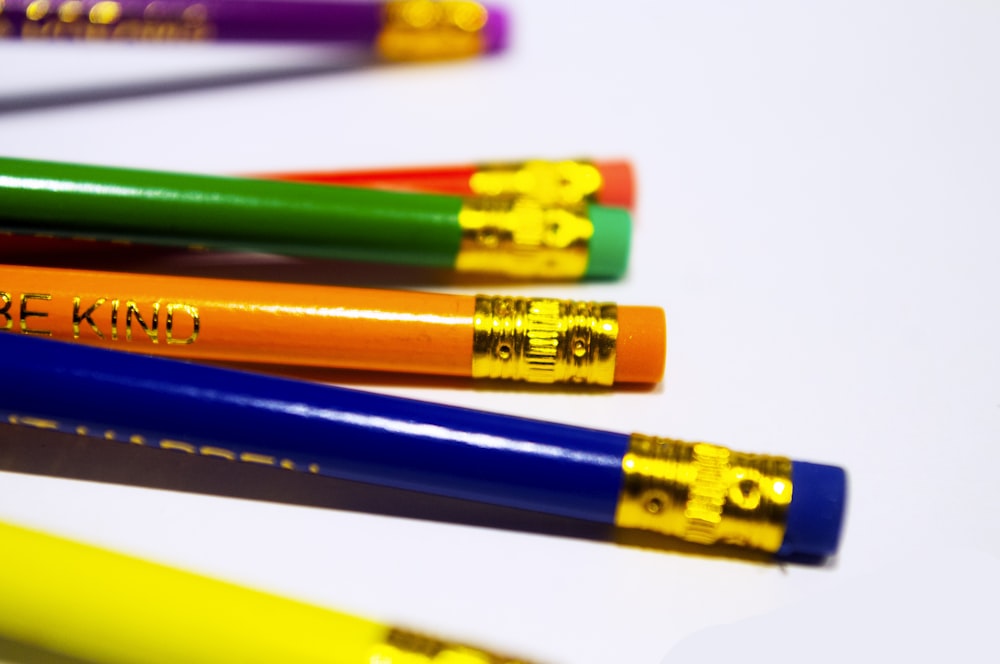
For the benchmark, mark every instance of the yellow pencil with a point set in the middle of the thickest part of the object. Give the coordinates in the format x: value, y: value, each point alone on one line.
x: 105, y: 607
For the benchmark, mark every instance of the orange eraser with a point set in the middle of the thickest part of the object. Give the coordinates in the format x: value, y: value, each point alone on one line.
x: 641, y: 351
x: 617, y: 183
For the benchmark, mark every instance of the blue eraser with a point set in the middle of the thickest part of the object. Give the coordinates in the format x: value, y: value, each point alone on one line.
x: 816, y: 513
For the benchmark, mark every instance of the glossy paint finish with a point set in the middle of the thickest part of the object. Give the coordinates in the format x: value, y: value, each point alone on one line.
x: 403, y: 443
x: 560, y: 181
x: 177, y: 209
x: 279, y: 324
x: 243, y: 321
x: 416, y: 30
x: 103, y: 606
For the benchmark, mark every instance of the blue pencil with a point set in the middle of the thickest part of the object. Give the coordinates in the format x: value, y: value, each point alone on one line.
x: 695, y: 491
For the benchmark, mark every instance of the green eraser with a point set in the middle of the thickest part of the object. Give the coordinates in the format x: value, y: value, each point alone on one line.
x: 609, y: 245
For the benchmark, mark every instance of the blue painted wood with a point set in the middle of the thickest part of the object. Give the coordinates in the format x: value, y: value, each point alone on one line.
x: 344, y: 433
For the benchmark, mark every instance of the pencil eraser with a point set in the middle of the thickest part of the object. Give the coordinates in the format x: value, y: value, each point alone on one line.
x: 496, y: 32
x: 617, y: 183
x: 641, y: 349
x: 816, y: 513
x: 609, y: 245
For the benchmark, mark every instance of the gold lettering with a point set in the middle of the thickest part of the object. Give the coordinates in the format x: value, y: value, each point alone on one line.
x: 166, y: 444
x: 5, y: 310
x: 25, y: 313
x: 70, y: 11
x: 250, y: 457
x: 195, y: 14
x: 218, y: 452
x: 114, y: 320
x: 177, y: 445
x: 195, y: 323
x: 105, y: 12
x: 38, y: 423
x: 132, y: 308
x: 37, y: 10
x: 86, y: 315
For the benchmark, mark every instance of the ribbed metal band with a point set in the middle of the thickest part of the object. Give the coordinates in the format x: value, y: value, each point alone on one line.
x: 405, y: 647
x: 522, y: 237
x: 559, y: 182
x: 544, y: 340
x: 426, y: 30
x: 704, y: 493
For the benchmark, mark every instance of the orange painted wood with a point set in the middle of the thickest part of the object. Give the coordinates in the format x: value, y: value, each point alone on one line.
x: 243, y: 321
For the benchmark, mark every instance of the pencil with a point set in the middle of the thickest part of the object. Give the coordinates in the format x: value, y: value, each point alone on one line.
x: 698, y: 492
x: 540, y: 340
x: 396, y: 30
x: 567, y: 181
x: 514, y: 236
x: 90, y: 603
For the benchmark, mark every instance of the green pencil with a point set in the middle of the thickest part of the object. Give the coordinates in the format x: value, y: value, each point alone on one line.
x: 518, y: 237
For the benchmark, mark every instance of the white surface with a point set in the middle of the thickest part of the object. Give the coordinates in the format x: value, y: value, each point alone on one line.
x: 819, y: 217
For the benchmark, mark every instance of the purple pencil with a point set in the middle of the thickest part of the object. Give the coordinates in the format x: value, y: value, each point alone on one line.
x: 396, y: 30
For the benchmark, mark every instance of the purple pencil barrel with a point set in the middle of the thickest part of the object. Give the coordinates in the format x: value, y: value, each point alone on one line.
x: 405, y: 30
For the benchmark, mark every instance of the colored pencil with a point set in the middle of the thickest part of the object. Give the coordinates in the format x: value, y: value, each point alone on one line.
x: 695, y: 491
x: 568, y: 181
x: 541, y: 340
x: 396, y: 30
x: 90, y: 603
x: 506, y: 235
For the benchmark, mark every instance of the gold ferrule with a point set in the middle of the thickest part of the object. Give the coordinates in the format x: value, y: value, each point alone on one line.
x: 522, y: 237
x: 544, y: 340
x: 430, y: 30
x: 704, y: 493
x: 559, y: 182
x: 405, y: 647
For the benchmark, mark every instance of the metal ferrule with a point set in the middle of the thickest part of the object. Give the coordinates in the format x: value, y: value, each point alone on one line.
x: 704, y: 493
x: 560, y: 182
x: 522, y: 237
x: 427, y: 30
x: 544, y: 340
x: 405, y: 647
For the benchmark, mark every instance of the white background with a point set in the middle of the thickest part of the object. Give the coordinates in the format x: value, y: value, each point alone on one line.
x: 818, y: 215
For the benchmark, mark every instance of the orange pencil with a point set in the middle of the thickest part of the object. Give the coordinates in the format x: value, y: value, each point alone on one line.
x: 540, y: 340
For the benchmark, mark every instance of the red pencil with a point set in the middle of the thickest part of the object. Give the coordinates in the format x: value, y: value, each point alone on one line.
x: 608, y: 182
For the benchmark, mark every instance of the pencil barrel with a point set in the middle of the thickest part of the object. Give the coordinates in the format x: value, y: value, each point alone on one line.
x: 403, y: 30
x: 540, y: 340
x: 186, y: 20
x: 699, y: 492
x: 517, y: 237
x: 242, y: 321
x: 103, y: 606
x: 176, y: 209
x: 309, y: 427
